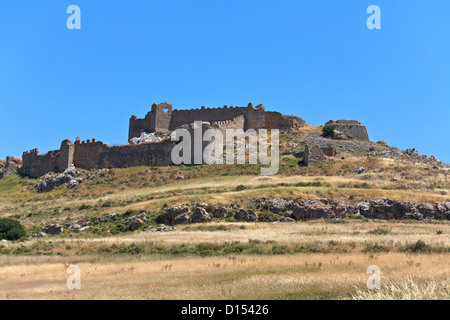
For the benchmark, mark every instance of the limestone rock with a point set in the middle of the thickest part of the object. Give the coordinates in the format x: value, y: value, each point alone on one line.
x: 200, y: 215
x: 246, y: 215
x: 220, y: 212
x: 54, y: 229
x: 175, y: 215
x: 49, y: 181
x: 11, y: 166
x: 133, y: 223
x: 338, y: 135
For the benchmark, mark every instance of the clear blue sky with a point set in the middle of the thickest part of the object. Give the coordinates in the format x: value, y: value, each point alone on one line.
x: 315, y: 59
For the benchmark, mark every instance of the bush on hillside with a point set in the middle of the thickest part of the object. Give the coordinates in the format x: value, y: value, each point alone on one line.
x: 327, y: 131
x: 11, y: 229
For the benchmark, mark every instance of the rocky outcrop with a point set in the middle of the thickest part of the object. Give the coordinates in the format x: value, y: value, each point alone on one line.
x: 220, y: 212
x: 54, y: 229
x: 338, y: 135
x: 49, y: 181
x: 200, y: 215
x: 133, y: 223
x: 153, y: 137
x: 388, y: 209
x: 175, y: 215
x: 305, y: 209
x: 11, y: 166
x: 384, y: 209
x: 246, y: 215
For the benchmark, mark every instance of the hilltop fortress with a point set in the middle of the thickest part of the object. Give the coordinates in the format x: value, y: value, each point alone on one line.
x: 93, y: 154
x: 163, y: 118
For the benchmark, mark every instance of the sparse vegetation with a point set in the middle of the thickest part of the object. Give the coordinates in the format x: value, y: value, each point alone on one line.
x: 263, y: 253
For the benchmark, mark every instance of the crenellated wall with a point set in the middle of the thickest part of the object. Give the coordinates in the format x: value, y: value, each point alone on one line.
x: 92, y: 154
x: 36, y: 165
x: 254, y: 118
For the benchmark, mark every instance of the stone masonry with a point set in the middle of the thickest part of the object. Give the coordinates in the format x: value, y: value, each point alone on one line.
x: 163, y: 118
x: 351, y: 128
x: 92, y: 154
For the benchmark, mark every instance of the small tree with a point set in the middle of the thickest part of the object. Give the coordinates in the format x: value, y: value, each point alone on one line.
x: 327, y: 131
x: 11, y: 229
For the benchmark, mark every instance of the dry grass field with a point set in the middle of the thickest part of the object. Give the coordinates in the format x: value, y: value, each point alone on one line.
x: 335, y: 268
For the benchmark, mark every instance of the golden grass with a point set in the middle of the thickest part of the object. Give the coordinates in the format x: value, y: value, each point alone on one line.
x: 312, y: 276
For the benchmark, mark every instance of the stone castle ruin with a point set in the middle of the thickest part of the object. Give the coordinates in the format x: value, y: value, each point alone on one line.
x: 92, y: 154
x: 162, y: 119
x: 351, y: 128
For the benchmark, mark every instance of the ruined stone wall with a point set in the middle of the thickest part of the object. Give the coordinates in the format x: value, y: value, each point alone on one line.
x: 160, y: 120
x: 253, y: 117
x: 87, y: 153
x: 97, y: 155
x: 36, y: 165
x: 136, y: 125
x: 277, y: 120
x: 66, y: 154
x: 313, y: 155
x: 236, y: 123
x: 145, y: 154
x: 351, y: 128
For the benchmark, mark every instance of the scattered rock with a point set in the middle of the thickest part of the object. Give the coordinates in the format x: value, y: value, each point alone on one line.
x: 359, y: 170
x: 338, y: 135
x: 150, y: 137
x: 54, y: 229
x: 37, y: 235
x: 49, y: 181
x: 287, y: 219
x: 78, y: 224
x: 161, y: 228
x: 175, y: 215
x: 383, y: 143
x: 179, y: 178
x: 306, y: 209
x: 133, y: 223
x: 220, y: 212
x: 246, y: 215
x: 200, y: 215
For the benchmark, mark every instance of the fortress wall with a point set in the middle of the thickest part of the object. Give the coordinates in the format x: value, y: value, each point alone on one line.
x: 135, y: 127
x: 254, y: 117
x: 161, y: 116
x: 87, y: 153
x: 36, y: 165
x: 351, y: 128
x: 146, y: 154
x: 66, y: 155
x: 276, y: 120
x: 236, y: 123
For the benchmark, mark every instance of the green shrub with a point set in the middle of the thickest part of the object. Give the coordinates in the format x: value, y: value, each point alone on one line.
x: 11, y: 229
x: 327, y: 131
x: 240, y: 187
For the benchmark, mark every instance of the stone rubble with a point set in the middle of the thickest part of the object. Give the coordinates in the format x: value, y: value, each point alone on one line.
x: 51, y: 181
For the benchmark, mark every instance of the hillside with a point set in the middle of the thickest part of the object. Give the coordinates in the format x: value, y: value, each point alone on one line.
x: 106, y: 198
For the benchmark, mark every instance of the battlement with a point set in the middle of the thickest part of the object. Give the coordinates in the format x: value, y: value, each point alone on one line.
x: 93, y: 154
x: 163, y: 117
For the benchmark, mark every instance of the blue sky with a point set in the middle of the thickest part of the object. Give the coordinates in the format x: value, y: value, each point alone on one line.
x: 315, y: 59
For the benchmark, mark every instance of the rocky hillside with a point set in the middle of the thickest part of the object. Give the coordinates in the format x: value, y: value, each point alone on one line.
x: 361, y: 180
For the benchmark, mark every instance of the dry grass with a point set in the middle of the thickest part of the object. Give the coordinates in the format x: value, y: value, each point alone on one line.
x: 314, y: 276
x: 409, y: 289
